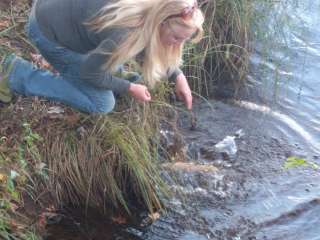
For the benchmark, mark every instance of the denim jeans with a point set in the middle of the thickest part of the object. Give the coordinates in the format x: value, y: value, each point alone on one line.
x: 66, y: 87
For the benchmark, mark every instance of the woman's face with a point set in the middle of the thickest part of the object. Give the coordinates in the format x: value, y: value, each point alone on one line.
x: 174, y: 34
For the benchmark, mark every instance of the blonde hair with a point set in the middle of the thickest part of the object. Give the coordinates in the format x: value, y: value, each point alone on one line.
x: 143, y: 19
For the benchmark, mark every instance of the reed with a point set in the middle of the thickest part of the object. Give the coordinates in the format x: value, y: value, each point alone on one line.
x: 233, y: 29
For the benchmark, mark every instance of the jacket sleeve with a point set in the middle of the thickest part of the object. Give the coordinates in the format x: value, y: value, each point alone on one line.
x: 173, y: 74
x: 91, y: 70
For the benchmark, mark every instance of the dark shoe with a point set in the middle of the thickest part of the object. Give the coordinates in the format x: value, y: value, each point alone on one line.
x: 5, y: 69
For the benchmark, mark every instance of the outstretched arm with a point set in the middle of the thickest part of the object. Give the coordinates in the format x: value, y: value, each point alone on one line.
x: 183, y: 90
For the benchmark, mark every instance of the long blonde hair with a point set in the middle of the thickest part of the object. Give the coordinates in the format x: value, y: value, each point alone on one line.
x: 143, y: 19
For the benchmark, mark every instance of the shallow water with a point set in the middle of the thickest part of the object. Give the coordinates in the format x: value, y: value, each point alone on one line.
x: 294, y: 84
x: 249, y: 195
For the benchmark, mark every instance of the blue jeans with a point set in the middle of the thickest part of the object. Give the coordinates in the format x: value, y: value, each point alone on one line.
x: 67, y: 87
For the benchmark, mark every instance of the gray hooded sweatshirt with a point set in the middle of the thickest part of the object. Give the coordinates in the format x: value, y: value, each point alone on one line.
x: 62, y: 21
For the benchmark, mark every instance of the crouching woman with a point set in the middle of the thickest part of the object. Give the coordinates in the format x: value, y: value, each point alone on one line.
x: 87, y: 42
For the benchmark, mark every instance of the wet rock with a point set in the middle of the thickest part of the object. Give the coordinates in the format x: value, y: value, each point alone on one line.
x: 209, y: 153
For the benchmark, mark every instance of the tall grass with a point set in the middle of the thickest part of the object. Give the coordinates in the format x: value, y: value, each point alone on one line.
x: 222, y: 56
x: 233, y: 28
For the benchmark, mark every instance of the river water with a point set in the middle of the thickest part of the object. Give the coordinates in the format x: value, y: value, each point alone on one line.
x: 248, y: 194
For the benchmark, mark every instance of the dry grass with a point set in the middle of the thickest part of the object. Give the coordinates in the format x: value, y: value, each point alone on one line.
x: 13, y: 16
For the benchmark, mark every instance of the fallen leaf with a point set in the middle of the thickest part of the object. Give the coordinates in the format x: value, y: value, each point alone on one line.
x: 3, y: 177
x: 190, y: 167
x: 4, y: 24
x: 154, y: 216
x: 72, y: 119
x: 55, y: 110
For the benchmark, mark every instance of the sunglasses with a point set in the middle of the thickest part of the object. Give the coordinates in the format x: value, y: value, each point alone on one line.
x: 186, y: 13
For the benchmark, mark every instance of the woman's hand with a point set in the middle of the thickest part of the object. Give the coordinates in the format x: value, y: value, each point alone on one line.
x: 139, y: 92
x: 183, y: 90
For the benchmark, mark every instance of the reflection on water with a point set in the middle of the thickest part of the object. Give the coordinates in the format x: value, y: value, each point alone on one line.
x: 286, y: 120
x: 292, y: 75
x: 293, y: 225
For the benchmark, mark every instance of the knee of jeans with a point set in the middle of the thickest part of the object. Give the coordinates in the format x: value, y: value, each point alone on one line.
x: 108, y: 104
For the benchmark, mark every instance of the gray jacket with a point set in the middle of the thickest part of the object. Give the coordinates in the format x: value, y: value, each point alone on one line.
x: 62, y: 21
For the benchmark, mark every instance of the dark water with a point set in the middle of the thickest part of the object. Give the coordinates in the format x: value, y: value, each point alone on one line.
x: 249, y: 194
x: 252, y: 196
